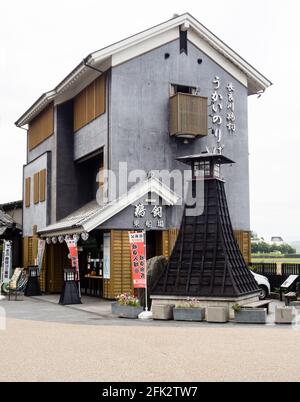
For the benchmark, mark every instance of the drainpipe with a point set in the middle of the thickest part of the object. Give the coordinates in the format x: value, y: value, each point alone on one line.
x: 85, y: 60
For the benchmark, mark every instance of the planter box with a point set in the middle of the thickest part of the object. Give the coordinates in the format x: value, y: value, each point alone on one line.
x: 189, y: 314
x: 284, y: 315
x: 251, y: 316
x: 163, y: 311
x: 217, y: 314
x: 295, y: 304
x: 126, y: 311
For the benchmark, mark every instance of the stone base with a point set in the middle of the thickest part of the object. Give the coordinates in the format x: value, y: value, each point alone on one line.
x: 163, y: 311
x: 217, y: 314
x: 284, y: 315
x: 207, y: 301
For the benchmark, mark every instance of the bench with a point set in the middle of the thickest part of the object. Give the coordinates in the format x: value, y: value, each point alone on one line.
x: 289, y: 297
x: 259, y: 304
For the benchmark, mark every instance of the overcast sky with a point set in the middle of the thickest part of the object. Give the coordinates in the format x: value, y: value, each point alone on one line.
x: 41, y: 41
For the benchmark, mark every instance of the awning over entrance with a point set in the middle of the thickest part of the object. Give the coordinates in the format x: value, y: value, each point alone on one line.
x: 92, y: 215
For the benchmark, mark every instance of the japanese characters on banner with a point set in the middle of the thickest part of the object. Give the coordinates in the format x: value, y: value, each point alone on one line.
x: 40, y: 254
x: 218, y: 115
x: 6, y: 261
x: 72, y: 246
x: 138, y: 259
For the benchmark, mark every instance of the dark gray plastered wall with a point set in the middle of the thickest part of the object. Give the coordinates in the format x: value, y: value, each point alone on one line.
x: 66, y: 180
x: 140, y: 90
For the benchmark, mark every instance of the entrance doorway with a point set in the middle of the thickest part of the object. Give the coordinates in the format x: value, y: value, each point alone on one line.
x: 57, y: 261
x: 90, y: 255
x: 154, y: 243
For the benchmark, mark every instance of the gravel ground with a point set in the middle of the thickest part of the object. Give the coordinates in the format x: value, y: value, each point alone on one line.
x: 35, y: 349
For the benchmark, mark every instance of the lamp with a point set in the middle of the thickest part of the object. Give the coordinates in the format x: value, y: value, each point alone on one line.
x: 76, y: 237
x: 33, y: 286
x: 84, y: 236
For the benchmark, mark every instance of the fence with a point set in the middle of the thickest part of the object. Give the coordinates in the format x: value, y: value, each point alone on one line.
x: 264, y: 268
x: 276, y: 273
x: 290, y: 269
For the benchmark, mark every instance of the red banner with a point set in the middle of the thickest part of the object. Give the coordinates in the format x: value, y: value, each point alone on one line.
x: 138, y: 259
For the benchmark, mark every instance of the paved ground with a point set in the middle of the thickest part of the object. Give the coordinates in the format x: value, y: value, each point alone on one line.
x: 44, y: 342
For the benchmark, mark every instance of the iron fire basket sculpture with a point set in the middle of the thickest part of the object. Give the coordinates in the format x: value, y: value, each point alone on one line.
x: 206, y: 260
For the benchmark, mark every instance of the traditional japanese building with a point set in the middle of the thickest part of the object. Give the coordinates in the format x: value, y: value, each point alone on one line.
x: 172, y: 90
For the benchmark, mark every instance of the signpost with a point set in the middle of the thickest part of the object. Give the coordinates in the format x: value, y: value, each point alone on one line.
x: 289, y: 282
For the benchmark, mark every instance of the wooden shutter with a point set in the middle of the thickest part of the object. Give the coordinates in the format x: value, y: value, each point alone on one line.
x: 100, y: 95
x: 120, y: 270
x: 42, y: 183
x: 43, y: 273
x: 165, y: 243
x: 243, y: 239
x: 90, y: 103
x: 188, y: 115
x: 173, y: 234
x: 36, y: 188
x: 27, y: 191
x: 41, y: 127
x: 168, y: 241
x: 80, y: 116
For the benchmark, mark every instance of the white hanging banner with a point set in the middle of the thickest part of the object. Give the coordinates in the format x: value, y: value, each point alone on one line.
x: 40, y: 254
x: 6, y: 261
x: 106, y: 255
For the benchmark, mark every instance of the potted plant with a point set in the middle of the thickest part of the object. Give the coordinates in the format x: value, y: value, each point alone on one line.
x: 126, y: 306
x: 189, y: 311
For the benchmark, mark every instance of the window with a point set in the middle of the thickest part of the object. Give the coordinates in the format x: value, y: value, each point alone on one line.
x: 217, y: 170
x: 202, y: 168
x: 183, y: 89
x: 27, y: 191
x: 183, y: 41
